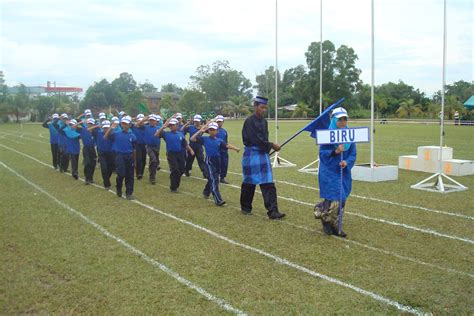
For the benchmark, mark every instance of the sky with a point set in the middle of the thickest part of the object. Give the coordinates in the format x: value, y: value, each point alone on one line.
x: 76, y: 43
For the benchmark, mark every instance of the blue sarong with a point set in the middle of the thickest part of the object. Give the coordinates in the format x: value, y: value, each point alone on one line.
x: 256, y: 167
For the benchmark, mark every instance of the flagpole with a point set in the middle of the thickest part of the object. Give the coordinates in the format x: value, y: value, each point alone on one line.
x: 320, y: 57
x: 372, y: 105
x: 276, y: 71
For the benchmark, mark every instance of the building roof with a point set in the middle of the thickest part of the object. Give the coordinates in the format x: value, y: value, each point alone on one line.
x: 470, y: 102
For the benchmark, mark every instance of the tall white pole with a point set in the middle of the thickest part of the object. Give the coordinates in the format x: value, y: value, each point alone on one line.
x: 320, y: 57
x: 372, y: 107
x: 276, y: 71
x: 441, y: 136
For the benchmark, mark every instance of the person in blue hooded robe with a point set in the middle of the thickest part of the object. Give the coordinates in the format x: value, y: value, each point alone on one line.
x: 329, y: 176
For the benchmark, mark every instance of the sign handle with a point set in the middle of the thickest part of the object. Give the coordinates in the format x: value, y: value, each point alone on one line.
x: 341, y: 209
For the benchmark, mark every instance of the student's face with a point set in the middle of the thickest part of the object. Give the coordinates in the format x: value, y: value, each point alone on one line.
x: 220, y: 123
x: 125, y: 126
x: 174, y: 127
x: 197, y: 124
x: 153, y: 123
x: 260, y: 109
x: 212, y: 132
x: 341, y: 122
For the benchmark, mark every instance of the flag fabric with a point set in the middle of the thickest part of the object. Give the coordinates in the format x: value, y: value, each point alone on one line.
x: 322, y: 121
x: 142, y: 108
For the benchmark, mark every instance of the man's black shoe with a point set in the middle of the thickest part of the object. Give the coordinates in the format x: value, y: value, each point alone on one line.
x: 276, y: 215
x: 75, y: 176
x: 139, y: 177
x: 119, y: 192
x: 187, y: 174
x: 221, y: 203
x: 223, y: 180
x: 130, y: 197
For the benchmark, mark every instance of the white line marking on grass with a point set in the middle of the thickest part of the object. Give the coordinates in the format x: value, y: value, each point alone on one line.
x: 210, y: 297
x: 376, y: 200
x: 309, y: 229
x: 282, y: 261
x: 422, y: 230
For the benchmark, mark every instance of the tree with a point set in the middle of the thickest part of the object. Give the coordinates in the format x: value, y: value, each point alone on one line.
x: 172, y: 88
x: 20, y: 102
x: 193, y: 101
x: 44, y: 106
x: 132, y: 100
x: 301, y: 110
x: 147, y: 87
x: 408, y: 108
x: 220, y: 82
x: 101, y: 95
x: 3, y: 88
x: 124, y: 83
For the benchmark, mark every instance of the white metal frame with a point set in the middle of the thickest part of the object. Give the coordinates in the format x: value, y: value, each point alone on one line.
x: 439, y: 185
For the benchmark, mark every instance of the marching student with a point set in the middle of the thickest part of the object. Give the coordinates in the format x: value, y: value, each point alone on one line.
x: 222, y: 134
x: 140, y: 159
x: 102, y: 117
x: 89, y: 155
x: 106, y: 154
x: 73, y: 147
x: 192, y: 129
x: 152, y: 143
x: 175, y: 146
x: 52, y: 124
x: 256, y: 167
x: 62, y: 141
x: 213, y: 146
x: 124, y: 142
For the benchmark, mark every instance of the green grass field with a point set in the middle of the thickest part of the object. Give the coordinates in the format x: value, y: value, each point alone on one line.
x: 69, y: 248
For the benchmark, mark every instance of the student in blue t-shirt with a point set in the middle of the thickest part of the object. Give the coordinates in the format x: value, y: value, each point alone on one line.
x: 62, y: 141
x: 152, y: 143
x: 176, y: 145
x: 213, y: 146
x: 222, y: 134
x: 73, y: 147
x: 124, y: 142
x: 140, y: 155
x: 106, y: 154
x: 192, y: 129
x: 52, y: 124
x: 89, y: 154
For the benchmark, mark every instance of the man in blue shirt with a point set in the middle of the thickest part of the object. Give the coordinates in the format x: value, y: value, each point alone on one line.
x: 124, y: 142
x: 62, y: 140
x: 175, y: 144
x: 140, y: 148
x: 213, y: 146
x: 152, y: 143
x: 222, y: 134
x: 106, y: 154
x: 197, y: 147
x: 52, y: 124
x: 89, y: 154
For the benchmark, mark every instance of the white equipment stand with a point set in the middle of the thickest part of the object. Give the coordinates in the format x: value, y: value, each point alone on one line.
x: 371, y: 172
x: 312, y: 168
x: 278, y: 161
x: 439, y: 185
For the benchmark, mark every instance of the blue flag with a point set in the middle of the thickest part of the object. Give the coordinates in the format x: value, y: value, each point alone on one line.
x: 322, y: 121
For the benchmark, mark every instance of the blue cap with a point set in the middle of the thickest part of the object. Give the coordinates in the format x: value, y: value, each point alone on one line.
x: 261, y: 100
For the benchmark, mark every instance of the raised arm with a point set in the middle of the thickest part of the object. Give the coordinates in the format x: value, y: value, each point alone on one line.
x: 112, y: 127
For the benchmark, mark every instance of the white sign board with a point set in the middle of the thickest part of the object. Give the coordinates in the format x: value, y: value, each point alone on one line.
x: 342, y: 136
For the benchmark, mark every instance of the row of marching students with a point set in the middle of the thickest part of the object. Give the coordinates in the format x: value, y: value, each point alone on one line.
x: 121, y: 143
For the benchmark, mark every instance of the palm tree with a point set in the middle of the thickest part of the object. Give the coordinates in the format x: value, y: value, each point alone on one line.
x: 301, y: 110
x: 408, y: 108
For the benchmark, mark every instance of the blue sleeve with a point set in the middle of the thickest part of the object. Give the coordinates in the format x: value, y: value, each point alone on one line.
x: 200, y: 140
x: 351, y: 156
x: 223, y: 145
x: 326, y: 151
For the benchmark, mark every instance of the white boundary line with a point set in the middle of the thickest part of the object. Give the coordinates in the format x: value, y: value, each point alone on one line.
x: 375, y: 199
x: 282, y: 261
x: 210, y: 297
x: 387, y: 252
x: 316, y: 189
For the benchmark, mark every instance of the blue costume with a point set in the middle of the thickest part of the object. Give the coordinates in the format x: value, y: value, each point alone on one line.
x: 175, y: 153
x: 153, y: 144
x: 124, y: 143
x: 73, y: 147
x: 106, y: 156
x: 198, y: 153
x: 222, y: 134
x: 141, y: 150
x: 53, y: 128
x: 89, y: 153
x: 213, y: 146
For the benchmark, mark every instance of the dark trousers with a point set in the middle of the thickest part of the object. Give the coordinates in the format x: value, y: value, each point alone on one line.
x: 64, y: 159
x: 268, y: 192
x: 56, y: 155
x: 213, y: 165
x: 74, y: 164
x: 199, y: 154
x: 124, y: 166
x: 224, y: 163
x: 176, y: 162
x: 140, y: 159
x: 154, y: 160
x: 89, y: 161
x: 107, y: 166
